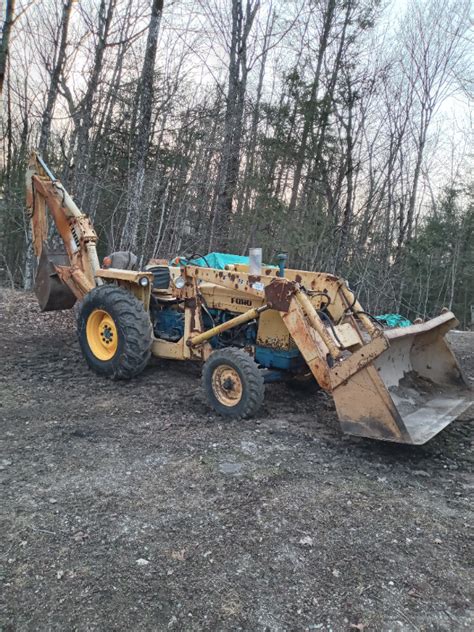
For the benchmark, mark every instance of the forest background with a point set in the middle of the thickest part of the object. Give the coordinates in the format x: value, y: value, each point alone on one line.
x: 339, y: 131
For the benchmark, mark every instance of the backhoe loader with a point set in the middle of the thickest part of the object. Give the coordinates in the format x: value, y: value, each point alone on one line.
x: 247, y: 326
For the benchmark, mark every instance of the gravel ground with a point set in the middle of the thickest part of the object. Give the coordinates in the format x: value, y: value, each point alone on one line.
x: 130, y: 506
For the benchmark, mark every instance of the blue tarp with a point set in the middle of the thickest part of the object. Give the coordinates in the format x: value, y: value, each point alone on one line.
x: 393, y: 320
x: 219, y: 260
x: 216, y: 260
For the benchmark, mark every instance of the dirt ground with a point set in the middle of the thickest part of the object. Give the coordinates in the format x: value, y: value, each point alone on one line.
x: 130, y: 506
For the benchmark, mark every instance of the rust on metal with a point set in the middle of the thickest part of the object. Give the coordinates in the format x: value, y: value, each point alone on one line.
x: 222, y: 278
x: 273, y: 332
x: 345, y: 369
x: 117, y: 274
x: 445, y: 321
x: 278, y: 294
x: 44, y: 191
x: 309, y: 342
x: 317, y: 323
x: 365, y: 408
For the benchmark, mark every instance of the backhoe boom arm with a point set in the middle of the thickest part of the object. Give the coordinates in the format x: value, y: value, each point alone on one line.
x: 79, y: 258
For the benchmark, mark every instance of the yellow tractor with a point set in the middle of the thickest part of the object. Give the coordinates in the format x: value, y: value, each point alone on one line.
x: 248, y: 324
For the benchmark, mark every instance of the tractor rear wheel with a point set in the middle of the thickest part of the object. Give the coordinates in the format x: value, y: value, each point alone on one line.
x: 115, y: 332
x: 233, y: 383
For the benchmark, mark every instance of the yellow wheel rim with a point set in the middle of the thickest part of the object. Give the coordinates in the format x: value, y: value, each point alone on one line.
x: 227, y: 385
x: 102, y: 336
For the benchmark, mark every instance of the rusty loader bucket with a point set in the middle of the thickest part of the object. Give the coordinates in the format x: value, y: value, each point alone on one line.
x: 410, y: 392
x: 51, y: 292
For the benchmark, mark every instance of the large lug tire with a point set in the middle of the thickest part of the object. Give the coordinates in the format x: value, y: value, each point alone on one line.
x: 233, y: 383
x: 115, y: 332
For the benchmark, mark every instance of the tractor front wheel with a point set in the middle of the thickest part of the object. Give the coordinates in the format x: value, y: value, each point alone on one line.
x: 233, y: 383
x: 115, y: 332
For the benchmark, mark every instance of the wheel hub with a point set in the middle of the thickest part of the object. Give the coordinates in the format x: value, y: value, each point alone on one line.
x: 102, y: 336
x: 227, y: 385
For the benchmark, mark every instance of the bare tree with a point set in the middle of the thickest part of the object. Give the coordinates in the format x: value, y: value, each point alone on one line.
x: 143, y: 128
x: 312, y: 126
x: 5, y: 40
x: 242, y: 22
x: 58, y: 64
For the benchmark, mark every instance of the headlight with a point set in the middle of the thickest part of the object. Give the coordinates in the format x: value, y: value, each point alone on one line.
x: 143, y: 281
x: 179, y: 282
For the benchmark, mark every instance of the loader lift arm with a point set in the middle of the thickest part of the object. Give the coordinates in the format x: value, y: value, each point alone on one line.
x: 68, y: 274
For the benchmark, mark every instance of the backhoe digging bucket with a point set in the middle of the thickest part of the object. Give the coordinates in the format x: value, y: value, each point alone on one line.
x: 410, y: 392
x: 51, y: 293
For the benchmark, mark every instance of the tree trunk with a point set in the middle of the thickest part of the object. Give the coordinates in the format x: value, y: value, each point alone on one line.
x: 5, y: 41
x: 136, y: 184
x: 311, y: 109
x: 55, y: 77
x: 86, y: 105
x: 243, y: 205
x: 233, y: 122
x: 29, y: 267
x: 344, y: 234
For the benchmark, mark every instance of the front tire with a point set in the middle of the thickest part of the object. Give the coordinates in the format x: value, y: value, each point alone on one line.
x: 233, y: 383
x: 115, y: 332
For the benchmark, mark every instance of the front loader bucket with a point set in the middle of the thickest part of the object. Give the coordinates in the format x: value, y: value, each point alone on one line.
x: 51, y: 293
x: 410, y: 392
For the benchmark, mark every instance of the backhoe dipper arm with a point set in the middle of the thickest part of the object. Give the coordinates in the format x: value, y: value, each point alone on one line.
x: 76, y: 230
